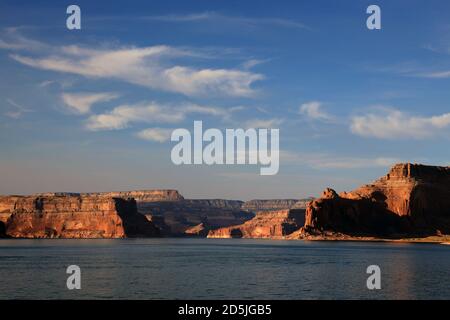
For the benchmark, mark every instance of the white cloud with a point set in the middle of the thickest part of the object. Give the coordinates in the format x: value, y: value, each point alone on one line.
x: 121, y: 116
x: 394, y: 124
x: 46, y: 83
x: 16, y: 111
x: 263, y: 123
x: 437, y: 74
x: 230, y: 20
x: 155, y: 134
x: 252, y: 63
x: 327, y: 161
x: 13, y: 40
x: 81, y: 103
x: 145, y: 66
x: 313, y: 111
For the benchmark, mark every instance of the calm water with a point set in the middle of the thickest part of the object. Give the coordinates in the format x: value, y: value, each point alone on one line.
x: 221, y: 269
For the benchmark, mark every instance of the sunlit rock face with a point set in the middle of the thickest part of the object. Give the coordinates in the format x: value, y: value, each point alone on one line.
x: 410, y: 199
x: 75, y: 216
x: 265, y: 224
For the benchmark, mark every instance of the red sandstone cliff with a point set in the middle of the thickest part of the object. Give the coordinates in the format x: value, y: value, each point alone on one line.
x: 73, y: 216
x: 411, y: 199
x: 265, y: 224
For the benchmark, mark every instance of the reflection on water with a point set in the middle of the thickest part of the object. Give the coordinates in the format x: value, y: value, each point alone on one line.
x: 221, y: 269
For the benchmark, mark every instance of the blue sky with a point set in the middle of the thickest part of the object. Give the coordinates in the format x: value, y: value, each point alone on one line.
x: 91, y: 109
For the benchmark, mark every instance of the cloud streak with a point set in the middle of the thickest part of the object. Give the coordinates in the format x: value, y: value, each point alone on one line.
x: 155, y: 134
x: 327, y: 161
x: 393, y: 124
x: 264, y: 123
x: 122, y: 116
x: 151, y: 67
x: 211, y: 16
x: 81, y: 103
x: 17, y: 110
x: 313, y: 111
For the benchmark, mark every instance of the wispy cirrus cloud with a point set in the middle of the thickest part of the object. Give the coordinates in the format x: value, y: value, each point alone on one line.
x: 313, y: 111
x: 332, y: 161
x: 250, y: 63
x: 413, y: 69
x: 436, y: 74
x: 388, y: 123
x: 122, y: 116
x: 155, y: 134
x: 12, y: 39
x: 216, y: 17
x: 16, y: 109
x: 153, y: 67
x: 264, y: 123
x: 81, y: 103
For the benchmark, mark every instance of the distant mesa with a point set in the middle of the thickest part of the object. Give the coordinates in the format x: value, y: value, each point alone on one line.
x: 275, y: 204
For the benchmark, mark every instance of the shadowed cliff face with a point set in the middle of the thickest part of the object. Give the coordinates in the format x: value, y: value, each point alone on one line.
x: 194, y: 217
x: 2, y: 230
x: 410, y: 200
x: 75, y: 216
x: 134, y: 224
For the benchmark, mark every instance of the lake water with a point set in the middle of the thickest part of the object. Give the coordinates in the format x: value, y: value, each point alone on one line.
x: 221, y: 269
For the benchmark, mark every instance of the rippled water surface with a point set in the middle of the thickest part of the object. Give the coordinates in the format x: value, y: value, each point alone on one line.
x: 221, y: 269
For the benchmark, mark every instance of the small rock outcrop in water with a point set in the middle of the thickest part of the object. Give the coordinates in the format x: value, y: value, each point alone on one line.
x: 265, y: 224
x: 411, y: 199
x: 75, y: 216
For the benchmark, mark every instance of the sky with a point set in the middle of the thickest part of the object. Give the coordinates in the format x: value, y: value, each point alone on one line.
x: 92, y: 109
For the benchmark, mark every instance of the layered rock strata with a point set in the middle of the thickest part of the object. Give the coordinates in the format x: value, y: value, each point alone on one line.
x: 410, y: 200
x: 274, y: 204
x: 265, y: 224
x: 75, y: 216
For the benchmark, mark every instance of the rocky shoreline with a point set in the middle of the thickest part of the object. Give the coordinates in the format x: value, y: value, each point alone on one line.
x: 410, y: 204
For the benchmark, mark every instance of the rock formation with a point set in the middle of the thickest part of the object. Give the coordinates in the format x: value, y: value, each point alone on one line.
x: 74, y: 216
x: 265, y: 224
x: 411, y: 199
x: 274, y: 204
x: 195, y: 217
x: 199, y: 230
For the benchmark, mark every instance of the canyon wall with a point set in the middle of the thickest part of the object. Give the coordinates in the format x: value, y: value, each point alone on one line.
x: 73, y: 216
x: 265, y: 224
x: 138, y: 195
x: 411, y: 199
x: 274, y: 204
x: 195, y: 217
